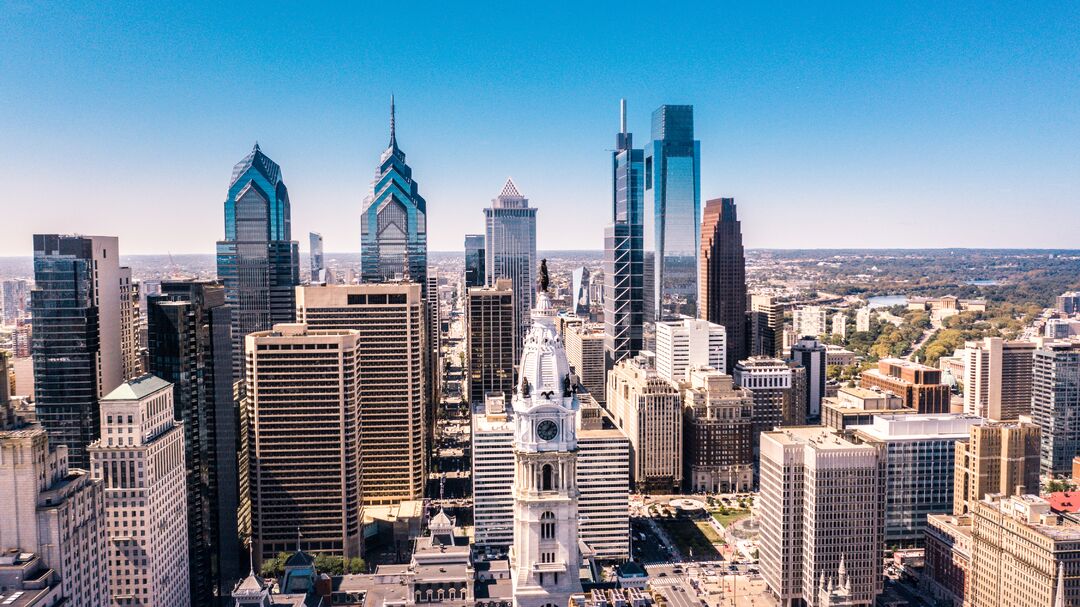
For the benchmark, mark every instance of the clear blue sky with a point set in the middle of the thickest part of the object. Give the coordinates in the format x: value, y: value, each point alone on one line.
x: 859, y: 124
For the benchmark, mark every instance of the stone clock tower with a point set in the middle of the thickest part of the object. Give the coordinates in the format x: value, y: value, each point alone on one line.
x: 545, y: 559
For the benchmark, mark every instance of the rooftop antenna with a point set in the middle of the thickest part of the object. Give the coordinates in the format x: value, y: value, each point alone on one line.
x: 393, y: 128
x: 622, y: 116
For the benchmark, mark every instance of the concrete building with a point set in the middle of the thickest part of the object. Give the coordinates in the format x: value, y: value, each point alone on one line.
x: 585, y: 352
x: 1023, y: 554
x: 718, y: 452
x: 811, y: 321
x: 862, y: 319
x: 809, y: 353
x: 919, y: 453
x: 648, y: 409
x: 838, y: 356
x: 821, y: 508
x: 998, y: 458
x: 1068, y: 302
x: 390, y: 320
x: 1055, y: 402
x: 997, y: 378
x: 493, y: 472
x: 766, y: 326
x: 305, y: 409
x: 490, y: 341
x: 779, y: 398
x: 839, y: 324
x: 859, y: 406
x: 947, y: 573
x: 918, y: 385
x: 53, y: 519
x: 140, y: 459
x: 687, y: 343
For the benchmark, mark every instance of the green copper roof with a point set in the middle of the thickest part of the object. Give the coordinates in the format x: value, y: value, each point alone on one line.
x: 137, y: 389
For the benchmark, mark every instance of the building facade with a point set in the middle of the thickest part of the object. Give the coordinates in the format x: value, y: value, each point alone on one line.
x: 585, y: 353
x: 510, y: 251
x: 722, y: 280
x: 493, y: 472
x: 811, y: 321
x: 648, y: 409
x: 140, y: 459
x: 778, y: 399
x: 997, y: 378
x: 475, y: 275
x: 1055, y: 403
x: 810, y: 354
x: 766, y: 326
x: 717, y: 433
x: 317, y: 259
x: 490, y: 340
x: 258, y: 262
x: 687, y: 343
x: 918, y: 385
x: 998, y: 458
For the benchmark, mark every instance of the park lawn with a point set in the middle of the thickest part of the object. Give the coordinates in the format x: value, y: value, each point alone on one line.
x: 730, y: 517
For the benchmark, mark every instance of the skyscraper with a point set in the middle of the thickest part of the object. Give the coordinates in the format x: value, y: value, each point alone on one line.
x: 718, y: 426
x: 811, y: 321
x: 997, y: 378
x: 474, y: 260
x: 140, y: 459
x: 998, y: 458
x: 190, y: 346
x: 810, y: 354
x: 673, y: 210
x: 648, y: 409
x: 490, y: 340
x: 510, y: 249
x: 77, y: 343
x: 722, y: 284
x: 391, y: 389
x: 318, y: 263
x: 304, y: 405
x: 1055, y: 403
x: 624, y: 254
x: 580, y: 296
x: 688, y: 343
x: 258, y: 261
x: 15, y: 294
x: 585, y: 353
x: 393, y: 223
x: 766, y: 326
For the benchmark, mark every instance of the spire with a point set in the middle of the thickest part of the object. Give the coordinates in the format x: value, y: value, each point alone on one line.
x: 393, y: 128
x: 622, y: 116
x: 1059, y: 598
x: 841, y: 573
x: 256, y: 148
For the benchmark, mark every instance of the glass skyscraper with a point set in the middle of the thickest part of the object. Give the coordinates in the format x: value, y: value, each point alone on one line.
x: 474, y: 260
x: 673, y: 211
x: 624, y: 260
x: 510, y: 251
x: 394, y: 221
x: 257, y: 262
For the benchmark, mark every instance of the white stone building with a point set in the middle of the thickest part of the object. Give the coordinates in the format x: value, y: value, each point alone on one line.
x: 687, y: 343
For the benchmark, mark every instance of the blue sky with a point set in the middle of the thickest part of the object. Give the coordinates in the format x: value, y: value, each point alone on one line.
x: 847, y: 124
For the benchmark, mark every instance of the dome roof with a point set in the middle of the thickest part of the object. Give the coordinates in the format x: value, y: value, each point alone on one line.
x: 543, y: 361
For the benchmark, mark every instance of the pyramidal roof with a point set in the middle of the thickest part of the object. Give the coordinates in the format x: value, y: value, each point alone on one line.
x: 510, y: 189
x: 261, y: 162
x: 137, y: 389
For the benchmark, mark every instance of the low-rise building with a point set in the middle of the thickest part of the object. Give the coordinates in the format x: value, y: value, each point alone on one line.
x: 918, y: 385
x: 854, y: 406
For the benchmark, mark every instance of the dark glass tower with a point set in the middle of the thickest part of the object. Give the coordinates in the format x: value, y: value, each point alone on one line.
x: 624, y: 260
x: 76, y: 344
x: 722, y: 284
x: 474, y: 260
x: 393, y: 225
x: 190, y: 345
x: 673, y: 199
x: 258, y: 262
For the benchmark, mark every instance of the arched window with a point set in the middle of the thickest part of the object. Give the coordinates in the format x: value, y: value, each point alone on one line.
x: 547, y: 478
x: 547, y: 526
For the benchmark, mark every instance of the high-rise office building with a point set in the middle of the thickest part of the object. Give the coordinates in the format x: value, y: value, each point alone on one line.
x: 258, y: 262
x: 317, y: 259
x: 510, y: 251
x: 997, y: 378
x: 1055, y: 403
x: 919, y: 454
x: 722, y: 283
x: 718, y: 450
x: 393, y: 223
x: 624, y: 254
x: 580, y: 294
x: 474, y: 260
x: 998, y: 458
x: 648, y: 409
x: 190, y: 346
x: 304, y: 406
x: 811, y: 321
x: 493, y: 471
x: 918, y: 385
x: 810, y: 355
x: 862, y: 319
x: 390, y: 356
x: 1068, y: 302
x: 16, y: 294
x: 839, y: 325
x: 673, y: 211
x: 585, y: 353
x: 490, y: 340
x: 766, y: 326
x: 53, y: 513
x: 140, y: 459
x: 688, y: 343
x: 77, y: 343
x: 821, y: 508
x: 131, y: 354
x: 778, y: 399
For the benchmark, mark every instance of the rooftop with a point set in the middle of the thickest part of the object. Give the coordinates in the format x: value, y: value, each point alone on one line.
x: 138, y: 389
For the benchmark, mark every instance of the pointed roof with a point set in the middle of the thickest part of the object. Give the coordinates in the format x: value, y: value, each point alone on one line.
x: 393, y: 127
x: 252, y: 584
x: 259, y: 161
x: 137, y: 389
x: 510, y: 189
x: 1059, y: 598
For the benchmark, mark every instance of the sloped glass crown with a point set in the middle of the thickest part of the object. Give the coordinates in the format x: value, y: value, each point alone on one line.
x: 257, y: 175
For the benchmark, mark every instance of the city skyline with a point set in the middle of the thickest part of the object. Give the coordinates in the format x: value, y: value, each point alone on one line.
x: 825, y: 121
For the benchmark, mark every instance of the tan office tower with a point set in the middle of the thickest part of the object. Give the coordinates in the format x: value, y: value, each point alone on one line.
x: 585, y: 353
x: 648, y: 409
x: 717, y: 429
x: 997, y: 378
x: 140, y: 459
x: 54, y: 512
x: 998, y: 458
x: 822, y: 516
x: 390, y: 358
x: 490, y: 341
x: 1023, y: 554
x: 303, y: 407
x: 130, y: 323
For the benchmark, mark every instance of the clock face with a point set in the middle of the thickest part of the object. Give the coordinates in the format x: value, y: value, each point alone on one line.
x: 547, y: 429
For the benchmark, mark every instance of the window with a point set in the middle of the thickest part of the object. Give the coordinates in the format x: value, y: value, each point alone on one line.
x: 547, y: 526
x: 548, y: 478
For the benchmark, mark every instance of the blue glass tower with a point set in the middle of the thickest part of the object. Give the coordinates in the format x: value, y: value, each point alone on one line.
x: 673, y: 213
x: 474, y: 260
x: 624, y: 261
x: 393, y: 225
x: 258, y: 262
